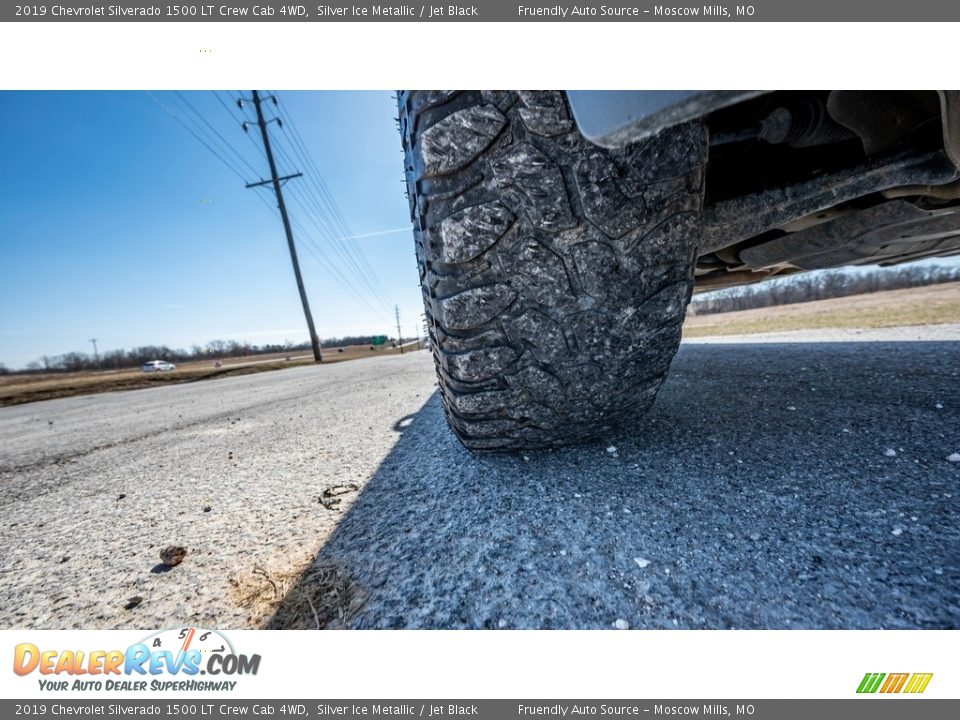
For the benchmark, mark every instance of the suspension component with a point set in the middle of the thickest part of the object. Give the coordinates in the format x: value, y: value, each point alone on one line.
x: 805, y: 124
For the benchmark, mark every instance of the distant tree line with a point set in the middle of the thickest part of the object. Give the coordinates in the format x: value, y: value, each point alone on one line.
x: 820, y: 285
x: 213, y: 350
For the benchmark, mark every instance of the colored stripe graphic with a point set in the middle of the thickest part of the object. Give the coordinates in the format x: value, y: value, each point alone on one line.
x: 870, y: 682
x: 894, y: 682
x: 918, y: 682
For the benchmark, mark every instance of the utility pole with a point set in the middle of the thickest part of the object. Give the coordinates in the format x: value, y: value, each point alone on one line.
x: 396, y: 309
x: 277, y: 183
x: 96, y: 355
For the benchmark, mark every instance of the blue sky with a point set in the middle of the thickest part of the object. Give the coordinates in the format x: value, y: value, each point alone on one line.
x: 116, y: 223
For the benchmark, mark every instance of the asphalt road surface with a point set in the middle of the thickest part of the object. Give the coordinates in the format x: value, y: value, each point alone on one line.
x: 762, y: 491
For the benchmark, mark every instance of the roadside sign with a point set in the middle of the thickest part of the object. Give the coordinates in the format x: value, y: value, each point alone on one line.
x: 378, y: 339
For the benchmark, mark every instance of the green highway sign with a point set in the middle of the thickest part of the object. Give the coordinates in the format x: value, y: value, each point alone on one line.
x: 378, y: 339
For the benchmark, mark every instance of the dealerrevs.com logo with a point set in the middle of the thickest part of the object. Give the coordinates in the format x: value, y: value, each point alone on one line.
x: 910, y: 683
x: 169, y: 660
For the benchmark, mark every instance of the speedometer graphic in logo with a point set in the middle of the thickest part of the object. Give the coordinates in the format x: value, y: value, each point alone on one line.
x: 182, y: 640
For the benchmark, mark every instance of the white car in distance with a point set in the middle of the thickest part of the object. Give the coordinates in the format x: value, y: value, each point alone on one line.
x: 158, y: 366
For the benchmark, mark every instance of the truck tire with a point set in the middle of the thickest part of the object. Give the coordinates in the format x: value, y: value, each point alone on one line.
x: 555, y: 273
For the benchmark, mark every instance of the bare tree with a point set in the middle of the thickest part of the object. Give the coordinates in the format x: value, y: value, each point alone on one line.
x: 820, y: 285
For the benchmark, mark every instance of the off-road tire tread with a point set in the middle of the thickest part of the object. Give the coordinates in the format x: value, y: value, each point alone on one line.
x: 555, y: 274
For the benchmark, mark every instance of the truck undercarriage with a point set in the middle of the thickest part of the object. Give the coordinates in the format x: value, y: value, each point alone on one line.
x: 803, y: 180
x: 559, y: 236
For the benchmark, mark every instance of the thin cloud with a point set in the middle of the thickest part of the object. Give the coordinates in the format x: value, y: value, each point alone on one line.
x: 376, y: 234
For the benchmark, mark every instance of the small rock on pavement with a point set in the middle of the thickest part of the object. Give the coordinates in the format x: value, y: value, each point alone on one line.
x: 642, y: 562
x: 890, y: 452
x: 954, y: 457
x: 897, y: 532
x: 340, y: 490
x: 330, y: 497
x: 612, y: 449
x: 207, y: 508
x: 754, y: 536
x: 621, y: 624
x: 173, y: 555
x: 133, y: 602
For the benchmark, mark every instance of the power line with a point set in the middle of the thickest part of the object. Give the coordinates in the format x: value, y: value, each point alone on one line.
x: 396, y: 309
x: 307, y: 242
x: 316, y: 178
x: 230, y: 114
x: 315, y: 250
x: 199, y: 139
x: 332, y: 268
x: 277, y: 183
x: 224, y: 149
x: 326, y: 196
x: 298, y: 142
x: 336, y: 241
x: 95, y: 353
x: 311, y: 206
x: 317, y: 253
x: 305, y: 199
x: 216, y: 132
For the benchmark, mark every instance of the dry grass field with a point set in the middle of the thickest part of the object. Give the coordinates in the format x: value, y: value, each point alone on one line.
x: 928, y: 305
x: 17, y: 389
